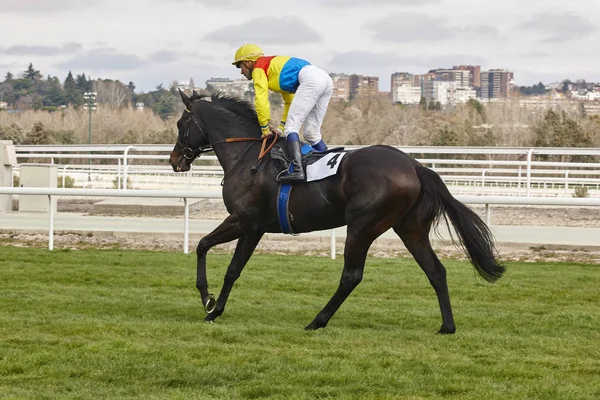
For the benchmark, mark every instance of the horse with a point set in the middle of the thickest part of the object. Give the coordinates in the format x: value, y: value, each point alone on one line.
x: 376, y: 188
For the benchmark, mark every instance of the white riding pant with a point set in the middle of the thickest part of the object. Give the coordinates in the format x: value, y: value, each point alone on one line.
x: 310, y: 103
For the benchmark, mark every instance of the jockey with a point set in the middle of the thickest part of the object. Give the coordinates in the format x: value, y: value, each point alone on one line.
x: 306, y: 91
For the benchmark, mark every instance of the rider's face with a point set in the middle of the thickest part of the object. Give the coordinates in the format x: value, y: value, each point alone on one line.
x: 245, y: 70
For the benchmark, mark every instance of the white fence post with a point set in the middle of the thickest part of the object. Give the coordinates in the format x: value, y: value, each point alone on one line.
x: 529, y: 157
x: 51, y: 227
x: 125, y: 166
x: 332, y: 241
x: 186, y: 226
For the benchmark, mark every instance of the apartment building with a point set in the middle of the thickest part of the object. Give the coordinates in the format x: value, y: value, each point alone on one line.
x: 447, y: 92
x: 496, y: 84
x: 241, y: 88
x: 461, y: 77
x: 362, y: 85
x: 405, y: 88
x: 341, y: 86
x: 474, y: 74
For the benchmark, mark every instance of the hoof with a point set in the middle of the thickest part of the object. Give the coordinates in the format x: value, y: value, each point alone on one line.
x: 210, y: 318
x: 446, y: 331
x: 209, y: 305
x: 312, y: 327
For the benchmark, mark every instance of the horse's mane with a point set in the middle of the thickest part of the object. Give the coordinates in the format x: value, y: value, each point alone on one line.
x: 236, y: 105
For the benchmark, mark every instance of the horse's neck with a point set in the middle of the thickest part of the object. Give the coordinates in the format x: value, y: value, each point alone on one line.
x: 237, y: 154
x: 231, y: 154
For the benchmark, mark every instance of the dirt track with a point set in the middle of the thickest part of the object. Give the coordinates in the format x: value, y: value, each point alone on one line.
x: 214, y: 209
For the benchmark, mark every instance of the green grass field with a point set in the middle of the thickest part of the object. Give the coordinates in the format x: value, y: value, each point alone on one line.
x: 129, y: 324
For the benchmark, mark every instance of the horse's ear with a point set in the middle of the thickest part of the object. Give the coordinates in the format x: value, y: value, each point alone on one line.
x: 195, y: 94
x: 184, y: 97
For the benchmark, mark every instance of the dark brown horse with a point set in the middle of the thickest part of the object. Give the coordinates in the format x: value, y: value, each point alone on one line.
x: 376, y: 188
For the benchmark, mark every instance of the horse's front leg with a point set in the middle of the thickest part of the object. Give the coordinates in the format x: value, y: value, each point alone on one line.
x: 230, y: 229
x: 244, y: 249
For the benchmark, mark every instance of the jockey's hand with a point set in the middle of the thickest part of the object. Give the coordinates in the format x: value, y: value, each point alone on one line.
x: 276, y: 132
x: 268, y: 135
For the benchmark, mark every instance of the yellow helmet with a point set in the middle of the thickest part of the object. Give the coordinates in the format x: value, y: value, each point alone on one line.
x: 248, y: 52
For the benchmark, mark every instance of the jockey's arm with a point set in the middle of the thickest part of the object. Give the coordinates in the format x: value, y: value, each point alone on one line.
x: 287, y: 101
x: 261, y: 99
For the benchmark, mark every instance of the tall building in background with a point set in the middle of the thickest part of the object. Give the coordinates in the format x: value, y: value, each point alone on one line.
x: 341, y: 86
x: 475, y: 74
x: 405, y: 88
x: 447, y: 92
x: 496, y: 84
x: 241, y: 88
x: 362, y: 85
x: 461, y: 77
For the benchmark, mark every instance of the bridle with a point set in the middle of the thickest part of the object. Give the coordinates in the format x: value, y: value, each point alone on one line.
x: 188, y: 152
x: 192, y: 154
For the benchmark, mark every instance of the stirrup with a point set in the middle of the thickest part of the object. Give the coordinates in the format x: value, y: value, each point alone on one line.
x: 285, y: 176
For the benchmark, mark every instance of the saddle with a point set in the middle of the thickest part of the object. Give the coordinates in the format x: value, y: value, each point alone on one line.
x: 280, y: 156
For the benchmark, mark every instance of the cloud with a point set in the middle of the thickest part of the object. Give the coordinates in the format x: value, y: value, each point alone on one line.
x: 25, y: 50
x: 559, y: 27
x: 164, y: 56
x: 371, y: 3
x: 216, y: 4
x: 103, y: 60
x: 478, y: 31
x: 410, y: 27
x: 366, y: 59
x: 267, y: 30
x: 537, y: 54
x: 37, y: 6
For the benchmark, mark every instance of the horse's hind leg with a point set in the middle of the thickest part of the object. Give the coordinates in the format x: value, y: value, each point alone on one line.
x: 244, y: 249
x: 415, y: 235
x: 355, y: 254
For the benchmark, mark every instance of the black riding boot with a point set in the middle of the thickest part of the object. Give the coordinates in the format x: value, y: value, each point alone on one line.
x: 297, y: 175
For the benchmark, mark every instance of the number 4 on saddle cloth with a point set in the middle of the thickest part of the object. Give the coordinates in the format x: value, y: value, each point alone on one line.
x: 318, y: 165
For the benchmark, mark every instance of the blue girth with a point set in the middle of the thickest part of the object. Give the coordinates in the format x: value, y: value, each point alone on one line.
x: 283, y: 198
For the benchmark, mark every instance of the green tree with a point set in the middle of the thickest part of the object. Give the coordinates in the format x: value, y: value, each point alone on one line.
x: 478, y: 109
x: 72, y: 94
x: 560, y: 130
x: 13, y: 132
x: 535, y: 90
x: 161, y: 101
x: 32, y: 74
x: 38, y: 135
x: 447, y: 136
x: 51, y: 92
x: 8, y: 77
x: 545, y: 131
x: 83, y: 84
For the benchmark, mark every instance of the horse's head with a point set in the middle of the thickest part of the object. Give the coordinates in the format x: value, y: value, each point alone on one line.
x: 191, y: 138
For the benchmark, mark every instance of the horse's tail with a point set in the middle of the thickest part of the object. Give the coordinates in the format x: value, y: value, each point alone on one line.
x: 475, y: 237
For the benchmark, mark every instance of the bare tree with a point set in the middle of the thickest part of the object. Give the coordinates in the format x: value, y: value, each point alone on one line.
x: 113, y: 93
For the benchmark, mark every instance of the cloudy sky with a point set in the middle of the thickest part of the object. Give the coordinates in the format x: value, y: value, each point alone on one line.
x: 157, y: 41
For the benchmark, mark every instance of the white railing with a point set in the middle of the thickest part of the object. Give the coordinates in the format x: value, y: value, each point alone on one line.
x: 526, y: 174
x: 51, y: 192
